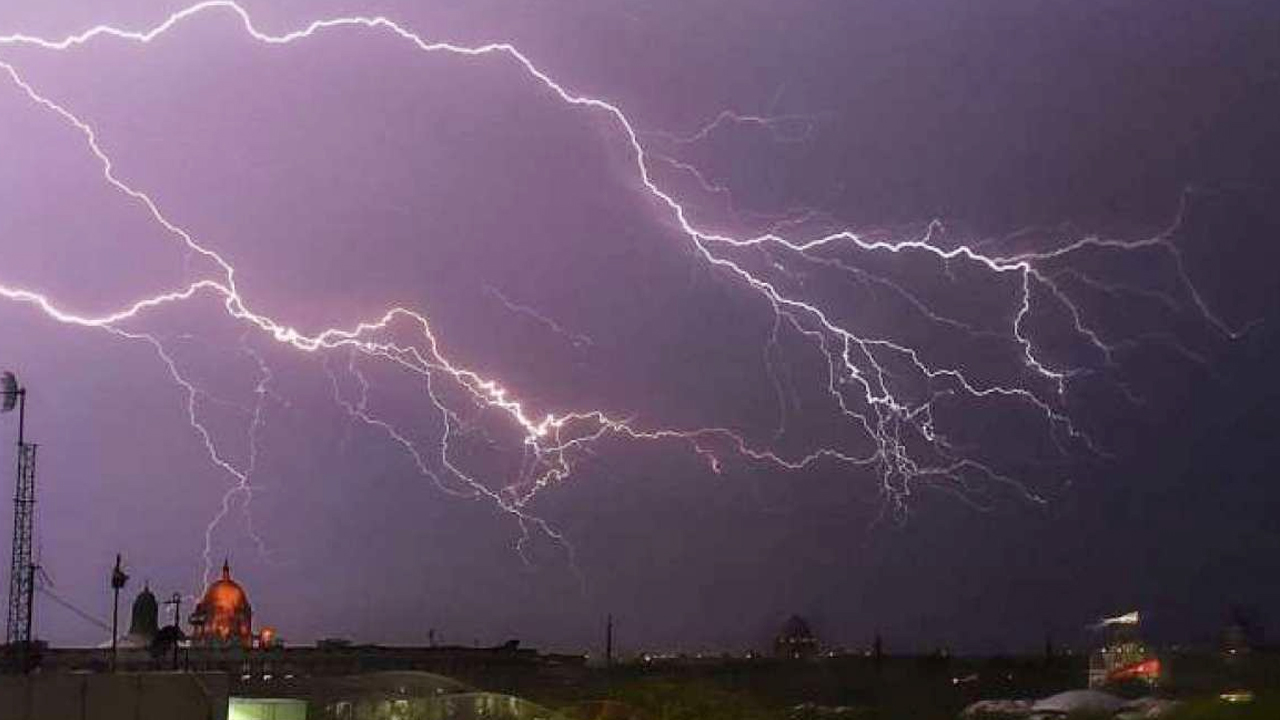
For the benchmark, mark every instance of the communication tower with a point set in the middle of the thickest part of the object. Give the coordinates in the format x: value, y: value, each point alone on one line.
x: 22, y: 568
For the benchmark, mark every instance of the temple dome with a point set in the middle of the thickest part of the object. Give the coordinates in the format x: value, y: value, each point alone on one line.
x: 224, y: 614
x: 797, y: 628
x: 225, y: 593
x: 144, y: 621
x: 146, y: 614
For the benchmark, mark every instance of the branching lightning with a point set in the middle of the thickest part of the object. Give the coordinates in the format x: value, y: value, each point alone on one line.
x: 860, y: 369
x: 576, y: 339
x: 243, y: 488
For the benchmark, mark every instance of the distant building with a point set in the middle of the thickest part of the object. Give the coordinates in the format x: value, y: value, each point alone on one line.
x: 1242, y: 632
x: 1123, y: 657
x: 223, y: 616
x: 255, y: 663
x: 796, y: 641
x: 144, y: 622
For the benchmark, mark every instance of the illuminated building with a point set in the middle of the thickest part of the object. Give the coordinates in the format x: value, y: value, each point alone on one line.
x: 223, y: 616
x: 1123, y: 658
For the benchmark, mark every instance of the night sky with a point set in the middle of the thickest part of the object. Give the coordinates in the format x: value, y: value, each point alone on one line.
x: 1070, y: 363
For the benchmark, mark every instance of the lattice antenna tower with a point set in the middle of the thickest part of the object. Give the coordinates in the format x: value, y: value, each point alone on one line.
x: 21, y: 565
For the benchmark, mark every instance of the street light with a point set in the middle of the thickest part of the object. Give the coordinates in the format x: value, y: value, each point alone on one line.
x: 118, y: 579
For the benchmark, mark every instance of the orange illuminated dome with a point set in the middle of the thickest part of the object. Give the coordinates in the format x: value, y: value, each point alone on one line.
x: 224, y: 615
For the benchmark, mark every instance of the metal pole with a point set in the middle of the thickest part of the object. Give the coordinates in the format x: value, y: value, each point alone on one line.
x: 177, y: 617
x: 118, y: 579
x: 115, y: 619
x: 608, y: 642
x: 22, y: 415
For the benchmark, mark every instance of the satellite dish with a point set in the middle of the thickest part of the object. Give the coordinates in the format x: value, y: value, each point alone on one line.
x: 9, y: 388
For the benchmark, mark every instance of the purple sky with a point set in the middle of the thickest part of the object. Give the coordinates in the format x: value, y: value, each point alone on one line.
x: 1105, y: 439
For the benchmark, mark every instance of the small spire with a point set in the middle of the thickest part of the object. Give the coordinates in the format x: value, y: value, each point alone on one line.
x: 226, y: 568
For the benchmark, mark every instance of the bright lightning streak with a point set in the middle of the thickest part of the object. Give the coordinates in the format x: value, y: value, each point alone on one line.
x: 857, y: 365
x: 243, y: 488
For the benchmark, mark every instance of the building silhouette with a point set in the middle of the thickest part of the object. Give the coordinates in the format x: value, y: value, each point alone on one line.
x: 796, y: 640
x: 144, y: 621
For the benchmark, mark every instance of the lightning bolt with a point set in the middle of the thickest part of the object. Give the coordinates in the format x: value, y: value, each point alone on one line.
x: 863, y: 374
x: 576, y: 339
x: 792, y: 127
x: 788, y: 129
x: 243, y: 488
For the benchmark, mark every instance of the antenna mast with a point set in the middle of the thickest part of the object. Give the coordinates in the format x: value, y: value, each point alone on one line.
x: 21, y: 566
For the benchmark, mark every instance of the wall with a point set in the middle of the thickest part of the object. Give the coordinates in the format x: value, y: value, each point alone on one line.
x: 122, y: 696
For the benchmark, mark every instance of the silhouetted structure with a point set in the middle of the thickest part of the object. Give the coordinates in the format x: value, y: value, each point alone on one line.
x: 170, y: 636
x: 608, y: 642
x: 1242, y: 633
x: 796, y: 641
x: 22, y: 568
x: 144, y: 620
x: 118, y: 580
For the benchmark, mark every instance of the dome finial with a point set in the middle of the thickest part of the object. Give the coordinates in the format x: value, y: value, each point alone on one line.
x: 226, y: 568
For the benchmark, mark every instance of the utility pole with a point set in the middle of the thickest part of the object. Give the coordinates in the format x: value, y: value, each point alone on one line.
x: 176, y: 602
x: 118, y: 579
x: 608, y: 642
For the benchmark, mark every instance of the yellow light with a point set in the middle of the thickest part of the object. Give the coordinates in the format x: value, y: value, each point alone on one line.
x: 1237, y: 696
